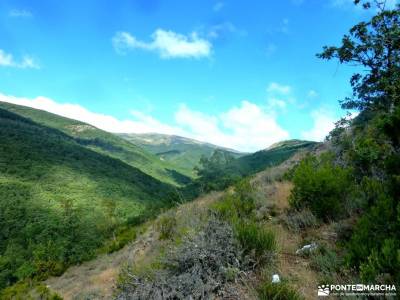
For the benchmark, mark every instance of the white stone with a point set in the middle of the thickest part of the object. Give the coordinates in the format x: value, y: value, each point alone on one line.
x: 275, y: 278
x: 307, y: 248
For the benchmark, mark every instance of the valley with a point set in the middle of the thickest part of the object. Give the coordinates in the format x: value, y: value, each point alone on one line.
x: 286, y: 196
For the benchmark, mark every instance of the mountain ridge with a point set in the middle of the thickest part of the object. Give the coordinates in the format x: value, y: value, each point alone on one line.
x: 181, y: 151
x: 104, y: 142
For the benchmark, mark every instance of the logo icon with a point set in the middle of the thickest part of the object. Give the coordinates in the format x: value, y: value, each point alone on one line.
x: 323, y: 290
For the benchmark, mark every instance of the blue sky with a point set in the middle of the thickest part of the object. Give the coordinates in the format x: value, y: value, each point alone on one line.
x: 241, y: 74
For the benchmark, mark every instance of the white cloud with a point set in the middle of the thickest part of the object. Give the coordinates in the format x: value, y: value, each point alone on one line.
x: 7, y: 60
x: 324, y: 122
x: 218, y: 6
x: 274, y: 87
x: 278, y: 96
x: 167, y: 44
x: 276, y: 103
x: 143, y: 123
x: 20, y: 13
x: 247, y: 127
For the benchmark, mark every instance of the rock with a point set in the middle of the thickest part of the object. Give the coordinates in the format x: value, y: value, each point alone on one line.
x: 275, y: 278
x: 306, y: 249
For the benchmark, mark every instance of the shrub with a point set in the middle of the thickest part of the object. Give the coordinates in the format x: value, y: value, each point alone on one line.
x: 254, y: 237
x: 326, y: 261
x: 298, y: 220
x: 277, y: 291
x: 321, y: 186
x: 123, y: 236
x: 166, y: 226
x: 28, y: 290
x: 197, y: 269
x: 239, y: 205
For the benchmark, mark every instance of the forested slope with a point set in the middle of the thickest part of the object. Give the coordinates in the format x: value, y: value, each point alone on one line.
x: 103, y: 142
x: 60, y: 201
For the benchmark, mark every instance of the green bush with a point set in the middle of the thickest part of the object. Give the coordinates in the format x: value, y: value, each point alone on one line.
x: 326, y: 261
x: 166, y: 226
x: 239, y: 205
x: 375, y: 243
x: 254, y: 237
x: 321, y: 186
x: 302, y: 219
x: 238, y: 210
x: 277, y: 291
x: 28, y: 290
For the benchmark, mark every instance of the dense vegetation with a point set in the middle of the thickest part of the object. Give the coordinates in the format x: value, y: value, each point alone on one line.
x: 69, y: 190
x: 104, y: 143
x: 221, y: 169
x: 361, y: 178
x: 182, y: 152
x: 61, y: 201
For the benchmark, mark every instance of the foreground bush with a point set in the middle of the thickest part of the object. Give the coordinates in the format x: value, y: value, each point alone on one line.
x: 238, y: 210
x: 254, y: 237
x: 166, y: 226
x: 197, y: 269
x: 299, y: 220
x: 277, y: 291
x: 322, y: 187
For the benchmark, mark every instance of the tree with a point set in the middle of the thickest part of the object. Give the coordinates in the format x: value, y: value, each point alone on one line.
x: 375, y: 47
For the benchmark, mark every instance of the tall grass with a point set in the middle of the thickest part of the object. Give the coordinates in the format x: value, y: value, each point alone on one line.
x: 277, y: 291
x: 253, y: 236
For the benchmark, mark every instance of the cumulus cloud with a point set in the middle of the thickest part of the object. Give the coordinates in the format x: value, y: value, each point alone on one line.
x: 7, y: 60
x: 166, y: 43
x: 323, y: 121
x: 141, y: 123
x: 246, y: 127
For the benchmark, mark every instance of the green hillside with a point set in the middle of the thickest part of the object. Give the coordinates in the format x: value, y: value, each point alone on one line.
x: 60, y: 200
x: 272, y: 156
x: 180, y: 151
x: 104, y: 143
x: 221, y: 170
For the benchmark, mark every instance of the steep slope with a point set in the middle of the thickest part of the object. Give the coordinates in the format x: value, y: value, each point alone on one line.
x: 103, y: 142
x: 59, y: 200
x: 98, y: 278
x: 181, y: 151
x: 272, y: 156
